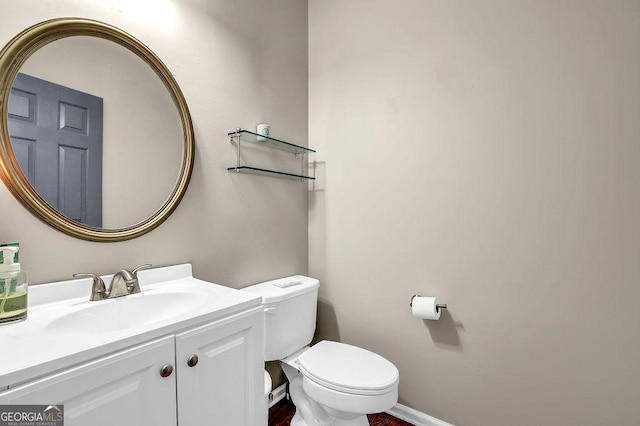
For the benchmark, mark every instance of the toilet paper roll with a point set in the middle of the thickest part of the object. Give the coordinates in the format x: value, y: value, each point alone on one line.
x: 425, y: 307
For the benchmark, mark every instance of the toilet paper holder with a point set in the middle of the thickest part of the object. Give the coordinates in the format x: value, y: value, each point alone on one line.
x: 438, y: 306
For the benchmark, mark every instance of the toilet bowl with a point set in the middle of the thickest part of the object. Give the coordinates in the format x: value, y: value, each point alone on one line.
x: 345, y: 382
x: 330, y: 383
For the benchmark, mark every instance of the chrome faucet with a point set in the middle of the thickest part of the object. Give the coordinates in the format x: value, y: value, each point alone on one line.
x: 122, y: 283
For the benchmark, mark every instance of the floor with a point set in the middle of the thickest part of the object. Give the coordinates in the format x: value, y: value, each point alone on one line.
x: 282, y: 413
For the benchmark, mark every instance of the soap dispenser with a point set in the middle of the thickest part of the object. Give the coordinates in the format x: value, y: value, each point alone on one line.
x: 13, y: 287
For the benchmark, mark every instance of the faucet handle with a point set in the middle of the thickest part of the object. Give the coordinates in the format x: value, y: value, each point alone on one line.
x: 140, y: 268
x: 98, y: 289
x: 134, y: 286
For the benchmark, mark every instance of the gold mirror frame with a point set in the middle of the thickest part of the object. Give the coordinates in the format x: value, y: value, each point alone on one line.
x: 14, y: 55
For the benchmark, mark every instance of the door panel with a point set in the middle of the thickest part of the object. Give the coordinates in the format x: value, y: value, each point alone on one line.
x: 58, y: 119
x: 25, y: 149
x: 72, y: 182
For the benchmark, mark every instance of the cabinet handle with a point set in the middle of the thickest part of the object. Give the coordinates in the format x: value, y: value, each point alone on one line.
x: 193, y: 360
x: 166, y: 370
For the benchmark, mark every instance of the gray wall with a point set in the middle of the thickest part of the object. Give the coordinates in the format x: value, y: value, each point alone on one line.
x: 485, y: 152
x: 238, y: 63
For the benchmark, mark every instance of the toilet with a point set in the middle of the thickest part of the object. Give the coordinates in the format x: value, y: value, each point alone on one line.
x: 330, y: 383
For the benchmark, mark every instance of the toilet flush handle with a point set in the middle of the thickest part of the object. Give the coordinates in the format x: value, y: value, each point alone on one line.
x: 269, y: 310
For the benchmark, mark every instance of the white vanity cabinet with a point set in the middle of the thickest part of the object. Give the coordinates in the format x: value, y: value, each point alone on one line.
x: 108, y: 361
x: 217, y: 379
x: 120, y: 389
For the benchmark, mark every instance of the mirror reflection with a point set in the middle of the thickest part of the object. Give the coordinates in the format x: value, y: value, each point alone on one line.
x: 95, y: 131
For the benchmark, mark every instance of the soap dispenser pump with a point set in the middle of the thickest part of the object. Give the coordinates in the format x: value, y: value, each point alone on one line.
x: 13, y: 287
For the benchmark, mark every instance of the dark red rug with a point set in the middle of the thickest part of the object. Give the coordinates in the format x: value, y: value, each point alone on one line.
x: 282, y: 413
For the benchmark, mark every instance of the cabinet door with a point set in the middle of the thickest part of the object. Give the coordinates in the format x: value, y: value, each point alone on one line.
x: 226, y: 386
x: 123, y: 389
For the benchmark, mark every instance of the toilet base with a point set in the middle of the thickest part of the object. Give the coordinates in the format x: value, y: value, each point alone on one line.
x: 310, y: 413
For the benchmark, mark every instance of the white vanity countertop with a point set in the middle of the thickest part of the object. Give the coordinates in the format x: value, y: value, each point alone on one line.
x: 46, y: 342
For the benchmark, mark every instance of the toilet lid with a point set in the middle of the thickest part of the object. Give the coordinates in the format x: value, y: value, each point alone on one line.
x: 347, y: 368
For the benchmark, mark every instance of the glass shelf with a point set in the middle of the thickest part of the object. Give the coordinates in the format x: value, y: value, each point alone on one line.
x: 266, y: 172
x: 252, y: 137
x: 239, y: 136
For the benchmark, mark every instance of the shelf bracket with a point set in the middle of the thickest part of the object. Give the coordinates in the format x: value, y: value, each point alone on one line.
x: 237, y: 136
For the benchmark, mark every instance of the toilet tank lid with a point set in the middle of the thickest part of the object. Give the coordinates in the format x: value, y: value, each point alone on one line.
x: 283, y: 288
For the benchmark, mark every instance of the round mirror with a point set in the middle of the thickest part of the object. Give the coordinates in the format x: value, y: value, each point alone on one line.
x: 95, y: 135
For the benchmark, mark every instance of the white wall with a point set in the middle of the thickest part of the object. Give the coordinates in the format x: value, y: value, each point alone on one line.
x: 238, y: 63
x: 485, y: 152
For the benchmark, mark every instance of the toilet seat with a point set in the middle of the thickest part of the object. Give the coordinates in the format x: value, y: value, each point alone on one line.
x: 348, y: 369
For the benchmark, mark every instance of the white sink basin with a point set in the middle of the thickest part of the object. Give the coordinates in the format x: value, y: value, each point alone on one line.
x: 128, y: 312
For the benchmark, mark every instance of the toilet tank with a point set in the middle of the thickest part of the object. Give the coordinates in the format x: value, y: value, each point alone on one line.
x: 290, y: 314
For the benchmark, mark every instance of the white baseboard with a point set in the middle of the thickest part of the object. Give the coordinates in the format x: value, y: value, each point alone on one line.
x: 415, y: 417
x: 400, y: 411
